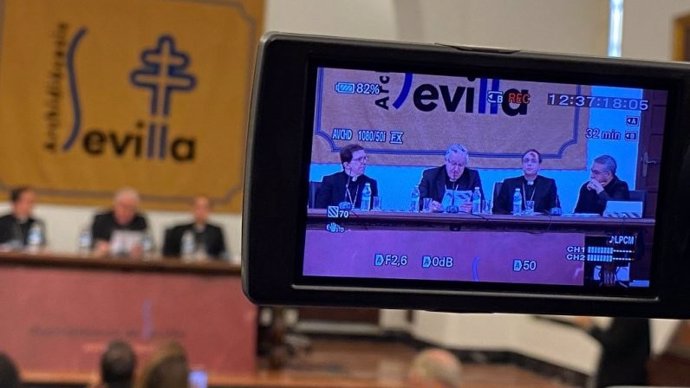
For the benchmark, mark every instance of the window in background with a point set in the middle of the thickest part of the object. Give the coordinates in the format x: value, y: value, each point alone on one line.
x: 615, y: 27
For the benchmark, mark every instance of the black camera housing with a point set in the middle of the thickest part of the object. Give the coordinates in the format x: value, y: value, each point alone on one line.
x: 279, y: 147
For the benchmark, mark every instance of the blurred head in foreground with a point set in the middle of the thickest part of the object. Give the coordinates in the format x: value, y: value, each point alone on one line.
x: 435, y: 368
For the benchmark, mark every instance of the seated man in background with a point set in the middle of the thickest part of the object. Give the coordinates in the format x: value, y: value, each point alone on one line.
x: 447, y: 180
x: 347, y: 186
x: 15, y: 227
x: 118, y: 363
x: 435, y: 368
x: 533, y: 187
x: 112, y: 230
x: 603, y: 186
x: 209, y: 241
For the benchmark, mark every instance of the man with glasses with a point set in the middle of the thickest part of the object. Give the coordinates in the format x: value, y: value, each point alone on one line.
x: 120, y: 230
x: 442, y: 184
x: 603, y: 186
x: 346, y: 186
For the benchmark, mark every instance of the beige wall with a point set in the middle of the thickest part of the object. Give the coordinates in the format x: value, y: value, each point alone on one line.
x: 578, y: 27
x: 648, y: 28
x: 554, y: 25
x: 352, y: 18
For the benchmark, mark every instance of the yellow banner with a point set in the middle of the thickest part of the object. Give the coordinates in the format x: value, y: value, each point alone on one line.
x: 406, y: 119
x: 153, y: 94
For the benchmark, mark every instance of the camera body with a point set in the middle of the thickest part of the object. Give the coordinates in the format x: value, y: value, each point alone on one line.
x: 464, y: 179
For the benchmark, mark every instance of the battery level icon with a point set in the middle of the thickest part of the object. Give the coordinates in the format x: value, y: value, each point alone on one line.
x: 345, y: 87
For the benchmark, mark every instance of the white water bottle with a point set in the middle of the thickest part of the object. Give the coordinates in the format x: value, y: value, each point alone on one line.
x: 148, y: 245
x: 476, y: 201
x: 517, y: 202
x: 414, y: 199
x: 366, y: 198
x: 84, y: 243
x: 34, y: 240
x: 188, y: 246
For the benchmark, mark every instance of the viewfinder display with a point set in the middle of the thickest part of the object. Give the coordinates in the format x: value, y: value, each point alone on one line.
x: 482, y: 180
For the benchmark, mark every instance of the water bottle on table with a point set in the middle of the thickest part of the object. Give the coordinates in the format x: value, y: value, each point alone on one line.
x: 34, y: 240
x: 85, y: 240
x: 476, y: 201
x: 148, y: 245
x: 188, y: 246
x: 414, y: 201
x: 366, y: 198
x: 517, y: 202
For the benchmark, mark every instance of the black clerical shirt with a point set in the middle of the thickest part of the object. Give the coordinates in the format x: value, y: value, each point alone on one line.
x: 11, y: 228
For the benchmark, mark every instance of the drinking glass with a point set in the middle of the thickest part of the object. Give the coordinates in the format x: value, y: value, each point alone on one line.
x: 427, y: 205
x: 529, y: 208
x: 377, y: 204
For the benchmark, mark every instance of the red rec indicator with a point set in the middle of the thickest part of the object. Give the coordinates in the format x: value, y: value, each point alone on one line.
x: 518, y: 98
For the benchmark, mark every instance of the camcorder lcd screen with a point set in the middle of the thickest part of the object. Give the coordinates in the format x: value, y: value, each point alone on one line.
x: 451, y: 178
x: 477, y: 180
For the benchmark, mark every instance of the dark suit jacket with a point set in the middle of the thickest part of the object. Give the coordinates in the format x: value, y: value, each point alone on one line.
x: 11, y: 229
x: 544, y: 194
x: 591, y: 202
x: 433, y: 184
x: 104, y: 224
x: 332, y: 190
x: 625, y: 351
x: 212, y: 236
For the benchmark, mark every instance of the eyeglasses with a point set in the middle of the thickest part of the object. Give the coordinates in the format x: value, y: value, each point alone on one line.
x: 597, y: 172
x: 360, y: 159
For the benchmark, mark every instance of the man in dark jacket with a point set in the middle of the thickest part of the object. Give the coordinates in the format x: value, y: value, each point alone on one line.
x: 347, y: 186
x: 209, y: 240
x: 15, y: 226
x: 603, y: 186
x: 452, y: 177
x: 532, y: 186
x: 124, y: 218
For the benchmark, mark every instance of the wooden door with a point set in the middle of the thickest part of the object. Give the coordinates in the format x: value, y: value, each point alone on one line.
x: 649, y: 151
